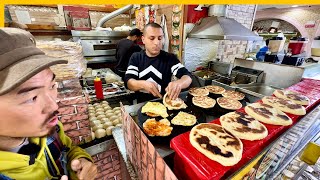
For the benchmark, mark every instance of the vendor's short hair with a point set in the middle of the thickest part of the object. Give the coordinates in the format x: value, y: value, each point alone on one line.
x: 154, y: 25
x: 135, y: 32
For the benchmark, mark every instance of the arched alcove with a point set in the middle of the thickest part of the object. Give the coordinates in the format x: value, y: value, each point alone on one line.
x: 300, y: 27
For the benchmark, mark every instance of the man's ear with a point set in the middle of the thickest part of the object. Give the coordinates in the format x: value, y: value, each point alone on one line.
x: 142, y: 38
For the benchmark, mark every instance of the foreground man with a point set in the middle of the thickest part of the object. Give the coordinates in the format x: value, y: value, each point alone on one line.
x: 150, y: 71
x: 32, y: 142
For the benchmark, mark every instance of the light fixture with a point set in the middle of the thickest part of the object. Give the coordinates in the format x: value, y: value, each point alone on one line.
x: 294, y: 6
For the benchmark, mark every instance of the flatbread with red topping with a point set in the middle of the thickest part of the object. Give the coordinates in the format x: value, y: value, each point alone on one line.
x: 199, y: 91
x: 233, y: 95
x: 203, y: 101
x: 228, y: 103
x: 215, y: 89
x: 157, y: 128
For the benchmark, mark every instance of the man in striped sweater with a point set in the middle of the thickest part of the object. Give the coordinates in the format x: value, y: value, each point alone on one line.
x: 150, y: 72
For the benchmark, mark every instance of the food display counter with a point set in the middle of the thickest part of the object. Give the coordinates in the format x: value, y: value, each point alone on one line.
x: 191, y: 164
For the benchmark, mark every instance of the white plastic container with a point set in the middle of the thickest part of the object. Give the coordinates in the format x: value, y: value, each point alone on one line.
x: 315, y: 47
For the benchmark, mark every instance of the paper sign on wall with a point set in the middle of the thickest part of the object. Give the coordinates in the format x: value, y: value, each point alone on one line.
x: 275, y: 24
x: 310, y: 24
x: 23, y: 17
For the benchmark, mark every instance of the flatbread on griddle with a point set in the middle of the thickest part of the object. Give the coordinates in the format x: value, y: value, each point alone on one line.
x: 228, y: 103
x: 215, y: 89
x: 203, y: 101
x: 173, y: 104
x: 199, y: 91
x: 157, y: 128
x: 155, y: 109
x: 233, y: 95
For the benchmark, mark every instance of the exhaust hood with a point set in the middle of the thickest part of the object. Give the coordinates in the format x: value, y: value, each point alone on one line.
x: 222, y: 28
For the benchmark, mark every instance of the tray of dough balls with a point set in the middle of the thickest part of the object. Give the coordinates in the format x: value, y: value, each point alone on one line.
x: 103, y: 118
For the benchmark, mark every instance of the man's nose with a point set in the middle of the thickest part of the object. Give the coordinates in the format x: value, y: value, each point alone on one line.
x: 50, y: 103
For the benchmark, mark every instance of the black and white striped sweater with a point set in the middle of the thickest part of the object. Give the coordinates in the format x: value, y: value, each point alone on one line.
x: 159, y: 69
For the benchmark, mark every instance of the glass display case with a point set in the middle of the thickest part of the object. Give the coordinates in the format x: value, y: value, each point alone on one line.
x: 288, y: 156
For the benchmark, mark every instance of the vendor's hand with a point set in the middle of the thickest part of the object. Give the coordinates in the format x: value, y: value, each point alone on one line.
x: 64, y: 177
x: 173, y: 90
x: 152, y: 88
x: 84, y: 169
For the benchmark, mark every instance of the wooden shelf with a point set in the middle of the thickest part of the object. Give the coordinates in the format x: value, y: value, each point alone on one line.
x: 275, y: 34
x: 100, y: 8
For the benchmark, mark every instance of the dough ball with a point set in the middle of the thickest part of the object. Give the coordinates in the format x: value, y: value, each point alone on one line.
x: 93, y: 135
x: 113, y: 118
x: 104, y: 102
x: 109, y: 130
x: 109, y: 111
x: 99, y: 113
x: 99, y: 109
x: 101, y: 116
x: 107, y: 124
x: 99, y: 133
x: 92, y: 114
x: 105, y: 119
x: 90, y: 108
x: 94, y: 123
x: 115, y: 122
x: 98, y: 126
x: 93, y: 118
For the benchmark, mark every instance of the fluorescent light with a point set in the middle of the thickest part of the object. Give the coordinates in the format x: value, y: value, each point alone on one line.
x: 294, y: 6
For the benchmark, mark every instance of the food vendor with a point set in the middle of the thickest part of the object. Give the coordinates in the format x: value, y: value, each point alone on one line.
x: 149, y: 72
x: 33, y: 144
x: 125, y: 48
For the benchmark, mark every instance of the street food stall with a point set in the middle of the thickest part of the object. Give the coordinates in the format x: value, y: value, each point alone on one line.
x: 239, y: 119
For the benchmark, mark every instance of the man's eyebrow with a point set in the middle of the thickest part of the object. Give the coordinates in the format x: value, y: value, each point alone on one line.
x: 28, y: 89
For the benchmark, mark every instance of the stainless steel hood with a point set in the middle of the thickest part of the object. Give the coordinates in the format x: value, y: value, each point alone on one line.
x: 222, y: 28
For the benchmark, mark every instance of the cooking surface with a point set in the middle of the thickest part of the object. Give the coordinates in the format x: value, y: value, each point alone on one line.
x: 247, y: 70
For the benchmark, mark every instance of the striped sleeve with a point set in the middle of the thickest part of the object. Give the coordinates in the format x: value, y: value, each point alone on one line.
x: 178, y: 69
x: 132, y: 70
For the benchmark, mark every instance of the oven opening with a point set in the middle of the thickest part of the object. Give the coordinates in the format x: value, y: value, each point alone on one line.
x: 104, y: 47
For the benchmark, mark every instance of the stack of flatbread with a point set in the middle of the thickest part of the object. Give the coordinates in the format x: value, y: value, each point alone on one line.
x: 243, y: 126
x: 268, y: 114
x: 216, y: 143
x: 155, y: 109
x: 284, y: 105
x: 292, y: 96
x: 175, y: 104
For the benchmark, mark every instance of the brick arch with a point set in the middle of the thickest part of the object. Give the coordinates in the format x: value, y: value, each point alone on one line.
x: 300, y: 27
